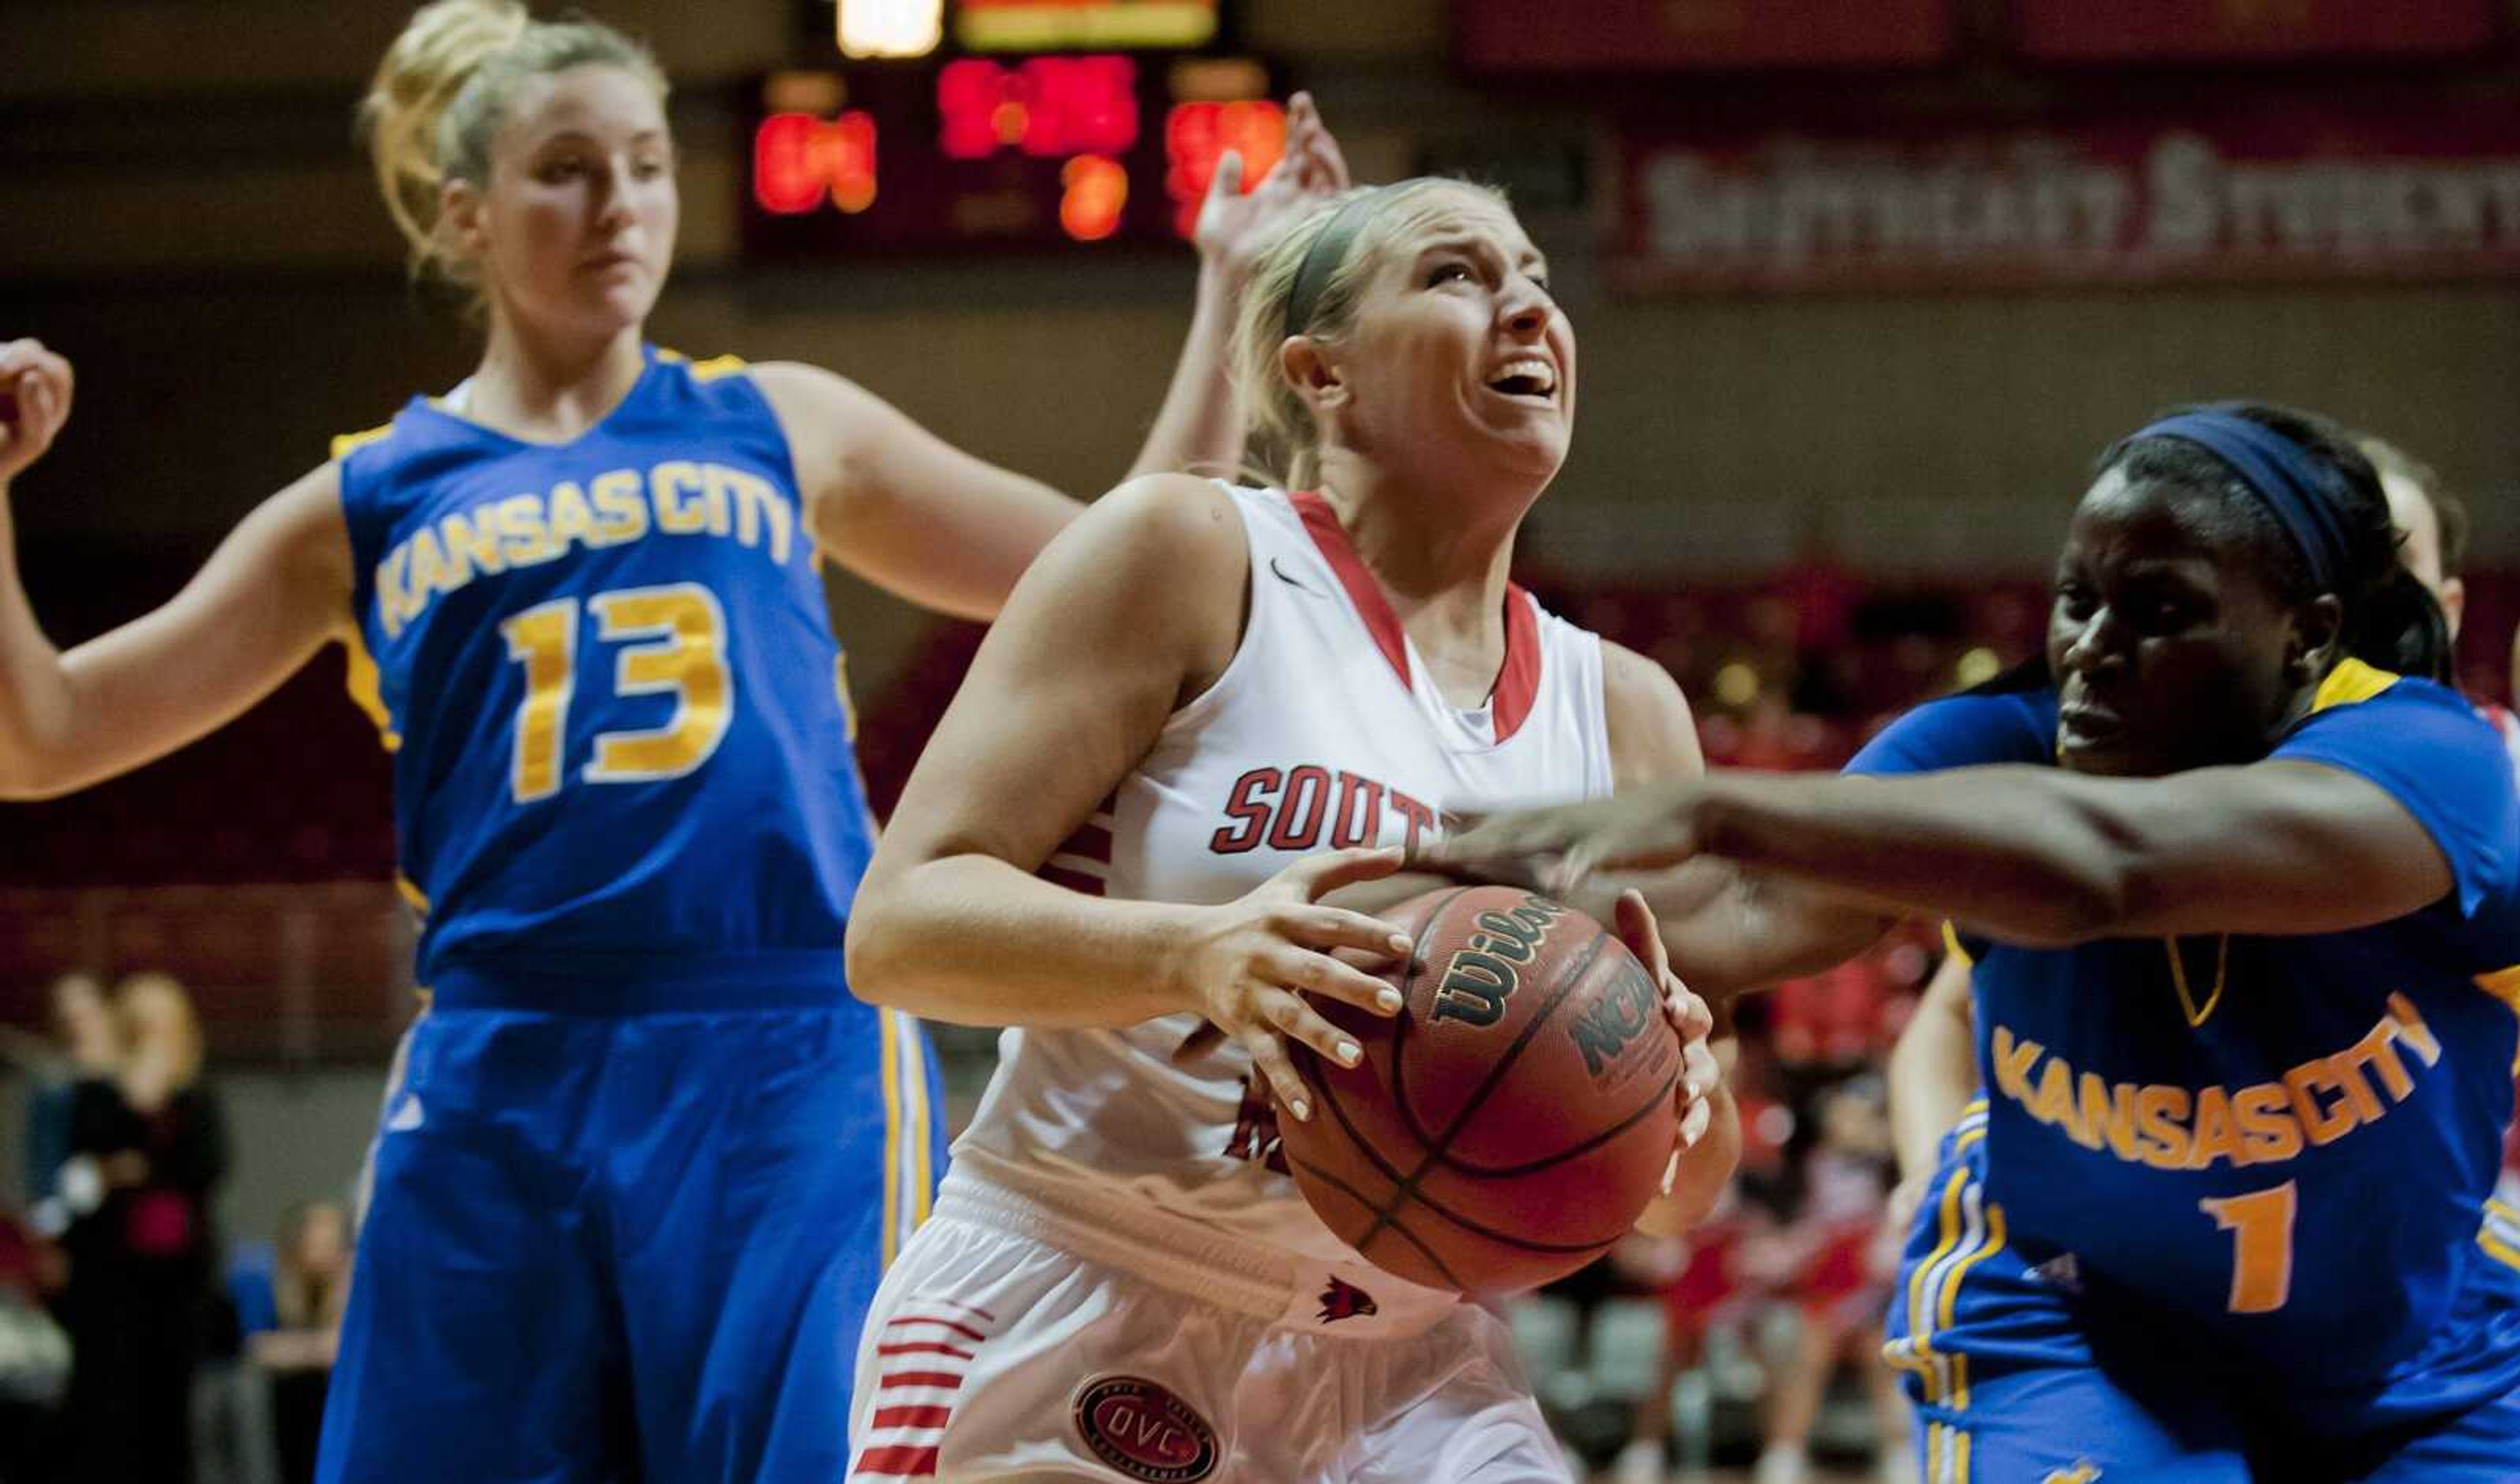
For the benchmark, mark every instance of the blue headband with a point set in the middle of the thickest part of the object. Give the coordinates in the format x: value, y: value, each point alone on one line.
x: 2297, y: 486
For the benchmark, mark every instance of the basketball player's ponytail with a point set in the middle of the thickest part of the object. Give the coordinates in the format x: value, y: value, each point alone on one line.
x: 443, y: 89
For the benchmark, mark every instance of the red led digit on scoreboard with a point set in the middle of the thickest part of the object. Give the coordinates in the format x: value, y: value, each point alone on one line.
x: 1197, y: 134
x: 1049, y: 107
x: 1093, y: 192
x: 799, y: 160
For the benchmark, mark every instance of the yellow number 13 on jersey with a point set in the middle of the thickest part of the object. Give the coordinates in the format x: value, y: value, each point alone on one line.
x: 681, y: 650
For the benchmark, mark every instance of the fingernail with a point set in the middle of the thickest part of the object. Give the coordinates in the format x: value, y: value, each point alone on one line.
x: 1400, y: 942
x: 1303, y: 1112
x: 1695, y: 1091
x: 1671, y: 1173
x: 1389, y: 1001
x: 1349, y: 1051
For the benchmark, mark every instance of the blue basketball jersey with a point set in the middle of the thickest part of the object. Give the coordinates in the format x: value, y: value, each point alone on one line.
x: 2292, y: 1140
x: 621, y: 746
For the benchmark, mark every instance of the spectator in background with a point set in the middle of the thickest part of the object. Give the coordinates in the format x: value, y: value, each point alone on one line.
x: 310, y: 1292
x: 88, y: 1048
x: 1702, y: 1279
x: 1843, y: 1261
x: 150, y: 1143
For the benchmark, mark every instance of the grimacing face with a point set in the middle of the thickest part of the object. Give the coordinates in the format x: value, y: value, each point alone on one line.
x: 574, y: 230
x: 1456, y: 343
x: 2170, y: 646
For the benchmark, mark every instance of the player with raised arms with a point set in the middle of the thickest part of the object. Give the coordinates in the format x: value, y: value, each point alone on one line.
x: 2244, y: 897
x: 649, y: 1155
x: 1202, y: 711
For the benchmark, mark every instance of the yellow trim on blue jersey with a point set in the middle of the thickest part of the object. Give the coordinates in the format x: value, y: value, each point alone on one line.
x: 2350, y: 683
x: 410, y: 893
x: 2503, y: 984
x: 2499, y: 1236
x: 711, y: 370
x: 344, y: 443
x: 1980, y: 1232
x: 840, y: 688
x: 1951, y: 1300
x: 1947, y: 1453
x: 892, y: 1126
x: 366, y: 687
x: 1951, y: 944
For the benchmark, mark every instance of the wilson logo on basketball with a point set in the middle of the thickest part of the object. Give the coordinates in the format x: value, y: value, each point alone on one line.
x: 1484, y: 972
x: 1145, y: 1431
x: 1605, y: 1027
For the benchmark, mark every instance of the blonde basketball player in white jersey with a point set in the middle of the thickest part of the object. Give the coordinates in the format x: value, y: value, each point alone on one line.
x: 1207, y: 708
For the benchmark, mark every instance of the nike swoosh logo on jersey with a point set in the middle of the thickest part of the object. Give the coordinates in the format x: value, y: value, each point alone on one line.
x: 1294, y: 581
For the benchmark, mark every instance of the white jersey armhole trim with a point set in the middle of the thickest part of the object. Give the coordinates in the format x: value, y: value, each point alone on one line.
x: 1207, y: 703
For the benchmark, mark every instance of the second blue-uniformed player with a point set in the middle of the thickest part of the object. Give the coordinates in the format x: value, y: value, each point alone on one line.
x: 2246, y: 905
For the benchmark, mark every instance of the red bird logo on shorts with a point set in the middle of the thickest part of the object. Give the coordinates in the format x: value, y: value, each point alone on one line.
x: 1343, y: 1300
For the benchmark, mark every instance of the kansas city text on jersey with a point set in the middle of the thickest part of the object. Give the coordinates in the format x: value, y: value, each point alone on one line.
x: 2170, y: 1127
x: 677, y: 497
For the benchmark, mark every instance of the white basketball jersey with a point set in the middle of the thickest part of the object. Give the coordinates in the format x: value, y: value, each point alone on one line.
x: 1323, y: 731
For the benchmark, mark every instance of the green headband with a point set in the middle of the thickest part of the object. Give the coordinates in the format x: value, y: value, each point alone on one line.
x: 1322, y: 258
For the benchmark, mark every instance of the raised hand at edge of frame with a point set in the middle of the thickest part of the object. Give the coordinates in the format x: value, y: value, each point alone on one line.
x: 35, y: 388
x: 1233, y: 227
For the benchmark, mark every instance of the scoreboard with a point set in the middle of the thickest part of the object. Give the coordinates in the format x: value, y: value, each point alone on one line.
x: 1034, y: 25
x: 993, y: 124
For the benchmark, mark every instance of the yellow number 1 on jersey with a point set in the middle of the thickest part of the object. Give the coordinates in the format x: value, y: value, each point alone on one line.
x: 686, y: 659
x: 2261, y: 1223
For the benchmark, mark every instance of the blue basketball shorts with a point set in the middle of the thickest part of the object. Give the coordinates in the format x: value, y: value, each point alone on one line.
x: 632, y: 1246
x: 2018, y: 1379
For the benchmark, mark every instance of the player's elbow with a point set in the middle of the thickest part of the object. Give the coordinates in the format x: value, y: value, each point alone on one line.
x: 874, y: 945
x: 28, y: 773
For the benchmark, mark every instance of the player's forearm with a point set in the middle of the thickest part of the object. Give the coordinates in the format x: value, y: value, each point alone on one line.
x: 1933, y: 1070
x: 1728, y: 934
x: 34, y: 689
x: 970, y: 940
x: 2028, y: 854
x: 1198, y: 428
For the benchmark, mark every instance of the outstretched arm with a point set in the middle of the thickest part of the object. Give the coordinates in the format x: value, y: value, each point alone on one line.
x: 1200, y: 429
x: 1933, y: 1070
x: 2030, y: 855
x: 275, y: 591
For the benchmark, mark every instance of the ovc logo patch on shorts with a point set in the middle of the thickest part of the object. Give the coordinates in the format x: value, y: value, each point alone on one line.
x: 1145, y: 1431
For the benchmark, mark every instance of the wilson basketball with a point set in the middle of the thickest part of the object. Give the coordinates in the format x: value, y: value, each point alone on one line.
x: 1510, y: 1124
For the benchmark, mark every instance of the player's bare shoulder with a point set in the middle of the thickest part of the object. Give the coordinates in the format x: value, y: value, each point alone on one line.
x: 1652, y: 732
x: 1174, y: 547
